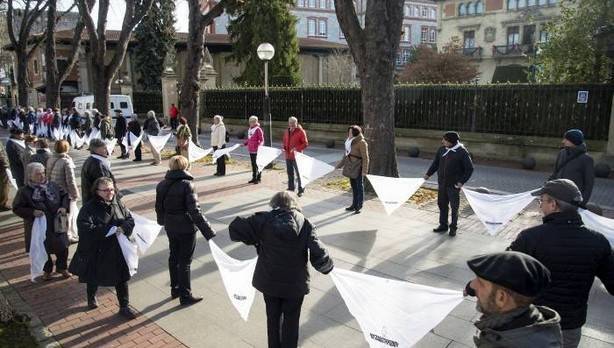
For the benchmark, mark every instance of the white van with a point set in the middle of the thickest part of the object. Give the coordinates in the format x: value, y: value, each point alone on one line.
x: 117, y: 102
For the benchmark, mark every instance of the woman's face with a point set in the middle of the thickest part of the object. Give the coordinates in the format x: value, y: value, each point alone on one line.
x: 252, y: 123
x: 38, y: 176
x: 350, y: 135
x: 216, y: 120
x: 106, y: 191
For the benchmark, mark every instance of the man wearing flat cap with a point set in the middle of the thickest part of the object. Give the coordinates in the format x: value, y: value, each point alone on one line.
x: 505, y: 285
x: 454, y: 168
x: 574, y: 163
x: 573, y: 253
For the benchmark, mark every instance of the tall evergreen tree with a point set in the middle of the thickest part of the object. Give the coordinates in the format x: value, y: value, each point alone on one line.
x: 266, y: 21
x: 155, y: 37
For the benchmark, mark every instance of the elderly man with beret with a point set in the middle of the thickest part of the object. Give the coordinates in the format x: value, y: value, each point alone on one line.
x: 574, y: 163
x: 505, y: 285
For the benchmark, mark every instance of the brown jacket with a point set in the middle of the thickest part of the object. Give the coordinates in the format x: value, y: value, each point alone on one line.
x: 60, y: 170
x: 359, y: 151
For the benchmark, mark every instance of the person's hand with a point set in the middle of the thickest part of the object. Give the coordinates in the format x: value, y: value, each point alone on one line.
x: 426, y: 177
x: 61, y: 210
x: 38, y: 213
x: 458, y: 185
x: 119, y: 231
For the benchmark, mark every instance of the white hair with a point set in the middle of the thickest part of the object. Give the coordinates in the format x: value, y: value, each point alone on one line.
x: 218, y: 117
x: 253, y: 118
x: 293, y: 120
x: 31, y: 168
x: 151, y: 114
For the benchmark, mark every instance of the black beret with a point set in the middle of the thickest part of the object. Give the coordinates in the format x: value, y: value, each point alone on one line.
x: 516, y: 271
x: 452, y: 137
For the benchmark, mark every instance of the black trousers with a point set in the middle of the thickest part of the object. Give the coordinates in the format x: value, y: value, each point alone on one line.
x: 283, y: 316
x: 291, y: 169
x: 174, y: 123
x: 137, y: 152
x: 256, y: 175
x: 121, y: 290
x: 180, y: 260
x: 221, y: 162
x: 61, y: 262
x: 448, y: 196
x: 122, y: 146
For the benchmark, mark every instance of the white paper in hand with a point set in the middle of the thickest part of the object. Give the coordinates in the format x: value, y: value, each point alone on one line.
x: 237, y: 277
x: 393, y: 192
x: 265, y: 156
x: 195, y: 153
x: 158, y: 141
x: 144, y: 233
x: 12, y: 180
x: 129, y: 250
x: 224, y: 152
x: 495, y: 211
x: 598, y: 223
x: 38, y: 253
x: 110, y: 145
x: 393, y: 313
x: 311, y: 169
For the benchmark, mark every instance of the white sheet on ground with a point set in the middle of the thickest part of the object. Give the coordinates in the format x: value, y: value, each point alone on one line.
x: 225, y: 152
x: 311, y: 169
x: 158, y: 141
x: 12, y: 180
x: 130, y: 252
x: 599, y: 223
x: 495, y: 211
x: 265, y: 156
x: 145, y: 232
x: 393, y: 192
x: 237, y: 277
x: 195, y: 152
x: 110, y: 145
x: 38, y: 253
x: 393, y: 313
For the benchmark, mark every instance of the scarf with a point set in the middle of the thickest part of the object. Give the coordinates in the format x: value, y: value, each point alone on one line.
x: 42, y: 193
x: 252, y: 130
x: 348, y: 145
x: 498, y: 320
x: 105, y: 161
x: 453, y: 149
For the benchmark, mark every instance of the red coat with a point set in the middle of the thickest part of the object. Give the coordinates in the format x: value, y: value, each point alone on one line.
x: 295, y: 140
x: 173, y: 112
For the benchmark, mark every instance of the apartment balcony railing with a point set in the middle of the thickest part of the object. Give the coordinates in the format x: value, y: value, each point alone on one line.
x: 472, y: 52
x: 515, y: 50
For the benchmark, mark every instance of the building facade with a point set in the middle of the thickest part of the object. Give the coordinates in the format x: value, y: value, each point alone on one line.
x: 501, y: 36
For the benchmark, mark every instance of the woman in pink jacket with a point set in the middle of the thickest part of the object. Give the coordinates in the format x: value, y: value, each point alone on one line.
x: 255, y: 139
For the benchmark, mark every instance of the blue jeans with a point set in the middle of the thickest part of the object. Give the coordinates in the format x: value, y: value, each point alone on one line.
x: 358, y: 192
x: 291, y: 169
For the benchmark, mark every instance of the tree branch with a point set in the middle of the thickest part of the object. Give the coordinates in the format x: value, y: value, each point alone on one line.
x: 354, y: 34
x: 9, y: 24
x: 85, y: 8
x: 76, y: 45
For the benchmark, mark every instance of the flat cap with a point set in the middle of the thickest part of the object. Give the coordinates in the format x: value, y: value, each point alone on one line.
x: 562, y: 189
x: 513, y: 270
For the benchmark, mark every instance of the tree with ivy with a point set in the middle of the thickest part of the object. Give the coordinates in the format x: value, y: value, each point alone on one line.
x: 265, y: 21
x: 572, y: 53
x: 155, y: 37
x: 429, y: 66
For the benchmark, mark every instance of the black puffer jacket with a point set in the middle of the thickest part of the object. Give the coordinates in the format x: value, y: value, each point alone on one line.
x: 574, y: 255
x: 120, y: 127
x: 579, y: 169
x: 91, y: 170
x: 41, y: 156
x: 284, y: 239
x: 98, y: 258
x: 177, y: 207
x: 452, y: 168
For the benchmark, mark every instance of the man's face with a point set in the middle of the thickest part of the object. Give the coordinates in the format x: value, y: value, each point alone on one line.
x: 101, y: 151
x: 567, y: 143
x: 485, y: 292
x: 446, y: 143
x: 106, y: 192
x: 547, y: 205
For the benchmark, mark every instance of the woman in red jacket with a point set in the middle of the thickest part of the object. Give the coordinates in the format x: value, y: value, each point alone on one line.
x: 295, y: 140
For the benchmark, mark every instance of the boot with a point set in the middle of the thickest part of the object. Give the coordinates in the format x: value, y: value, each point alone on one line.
x: 441, y: 229
x: 189, y: 300
x: 127, y: 313
x: 92, y: 302
x: 452, y: 231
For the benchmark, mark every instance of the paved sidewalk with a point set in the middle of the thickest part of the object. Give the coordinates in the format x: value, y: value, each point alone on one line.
x: 400, y: 246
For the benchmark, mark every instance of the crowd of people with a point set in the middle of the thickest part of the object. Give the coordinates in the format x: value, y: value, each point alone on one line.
x: 532, y: 295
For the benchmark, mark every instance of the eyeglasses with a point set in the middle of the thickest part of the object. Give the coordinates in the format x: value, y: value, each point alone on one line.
x: 106, y: 190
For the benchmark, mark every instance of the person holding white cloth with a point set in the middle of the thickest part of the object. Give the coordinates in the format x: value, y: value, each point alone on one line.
x: 355, y: 165
x: 61, y: 171
x: 218, y: 141
x: 151, y: 127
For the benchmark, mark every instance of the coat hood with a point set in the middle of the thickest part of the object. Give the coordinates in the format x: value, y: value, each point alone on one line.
x: 178, y: 175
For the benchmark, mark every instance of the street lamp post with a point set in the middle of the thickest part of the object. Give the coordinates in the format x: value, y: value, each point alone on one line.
x: 266, y: 51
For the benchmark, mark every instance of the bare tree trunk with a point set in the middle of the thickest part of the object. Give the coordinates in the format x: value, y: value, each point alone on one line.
x: 22, y: 77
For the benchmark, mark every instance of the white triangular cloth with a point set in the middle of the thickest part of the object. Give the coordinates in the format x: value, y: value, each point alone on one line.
x: 158, y: 141
x: 311, y: 169
x: 195, y: 153
x: 144, y: 233
x: 12, y: 180
x: 598, y: 223
x: 265, y: 156
x: 110, y: 145
x: 225, y: 151
x: 134, y: 140
x: 237, y: 277
x: 38, y: 253
x: 495, y: 211
x: 393, y: 192
x: 130, y: 252
x: 393, y: 313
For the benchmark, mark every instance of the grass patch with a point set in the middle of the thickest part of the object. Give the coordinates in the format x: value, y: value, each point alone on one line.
x: 422, y: 196
x: 339, y: 183
x: 166, y: 154
x: 15, y: 334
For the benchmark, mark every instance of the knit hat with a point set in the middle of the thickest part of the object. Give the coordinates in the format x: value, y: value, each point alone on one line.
x: 452, y: 137
x: 575, y: 136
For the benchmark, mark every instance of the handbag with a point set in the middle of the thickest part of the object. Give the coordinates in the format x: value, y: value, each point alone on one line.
x: 352, y: 169
x: 60, y: 223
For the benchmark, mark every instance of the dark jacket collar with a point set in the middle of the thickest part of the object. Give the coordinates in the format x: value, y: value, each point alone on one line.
x: 567, y: 218
x: 178, y: 175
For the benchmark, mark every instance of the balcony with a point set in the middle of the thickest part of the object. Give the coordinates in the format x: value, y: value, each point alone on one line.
x: 515, y: 50
x: 471, y: 52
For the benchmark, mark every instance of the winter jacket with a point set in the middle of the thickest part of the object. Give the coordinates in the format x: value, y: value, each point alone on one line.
x: 99, y: 259
x: 574, y: 255
x: 528, y: 327
x: 255, y: 138
x: 24, y: 206
x: 91, y: 170
x: 151, y: 126
x: 579, y: 169
x: 120, y: 127
x: 284, y: 241
x: 218, y: 135
x: 295, y: 140
x: 455, y: 167
x: 75, y: 121
x: 359, y: 152
x: 61, y: 171
x: 57, y: 120
x: 106, y: 131
x: 173, y: 112
x: 15, y: 154
x: 134, y: 127
x: 41, y: 156
x: 87, y: 122
x: 177, y: 207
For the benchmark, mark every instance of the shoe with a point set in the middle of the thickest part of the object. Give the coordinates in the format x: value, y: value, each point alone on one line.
x: 440, y: 229
x: 175, y: 293
x: 65, y: 274
x: 92, y: 303
x: 452, y: 231
x: 5, y: 208
x: 189, y: 300
x: 290, y: 189
x: 127, y: 313
x: 357, y: 211
x: 216, y: 174
x: 153, y: 164
x: 46, y: 276
x: 253, y: 181
x: 300, y: 192
x: 136, y: 160
x: 350, y: 208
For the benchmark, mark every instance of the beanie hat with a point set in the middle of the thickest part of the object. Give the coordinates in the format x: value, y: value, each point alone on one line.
x: 575, y: 136
x: 452, y: 137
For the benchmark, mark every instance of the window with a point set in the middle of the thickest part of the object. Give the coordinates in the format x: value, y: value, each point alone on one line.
x: 405, y: 55
x: 406, y: 10
x: 311, y: 27
x: 35, y: 67
x: 88, y: 106
x: 424, y: 34
x: 479, y: 7
x: 300, y: 3
x: 522, y: 3
x: 530, y: 3
x: 323, y: 4
x: 123, y: 105
x: 332, y: 4
x: 433, y: 34
x: 513, y: 36
x: 312, y: 3
x: 406, y: 33
x: 414, y: 11
x: 469, y: 39
x: 512, y: 4
x: 542, y: 2
x: 112, y: 106
x: 544, y: 36
x: 433, y: 14
x: 424, y: 12
x: 470, y: 8
x: 528, y: 35
x: 462, y: 10
x: 322, y: 28
x: 552, y: 2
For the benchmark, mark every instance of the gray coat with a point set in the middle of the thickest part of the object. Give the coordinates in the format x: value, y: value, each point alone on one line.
x: 579, y: 169
x: 527, y: 327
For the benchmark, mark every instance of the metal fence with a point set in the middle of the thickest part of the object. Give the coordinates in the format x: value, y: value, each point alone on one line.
x: 145, y: 101
x: 533, y: 110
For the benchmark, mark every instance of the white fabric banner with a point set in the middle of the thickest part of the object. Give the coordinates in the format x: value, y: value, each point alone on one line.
x: 195, y: 153
x: 226, y: 151
x: 158, y: 141
x: 145, y: 232
x: 598, y: 223
x: 110, y: 145
x: 94, y: 134
x: 130, y: 252
x: 38, y: 253
x: 76, y: 140
x: 311, y: 169
x: 12, y: 180
x: 41, y: 130
x: 134, y: 140
x: 495, y: 211
x: 393, y: 313
x: 265, y: 156
x: 72, y: 220
x: 393, y: 192
x: 237, y: 277
x: 56, y: 134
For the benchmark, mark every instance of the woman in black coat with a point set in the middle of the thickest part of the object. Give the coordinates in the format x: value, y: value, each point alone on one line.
x: 284, y: 239
x: 177, y: 209
x: 37, y: 198
x: 98, y: 260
